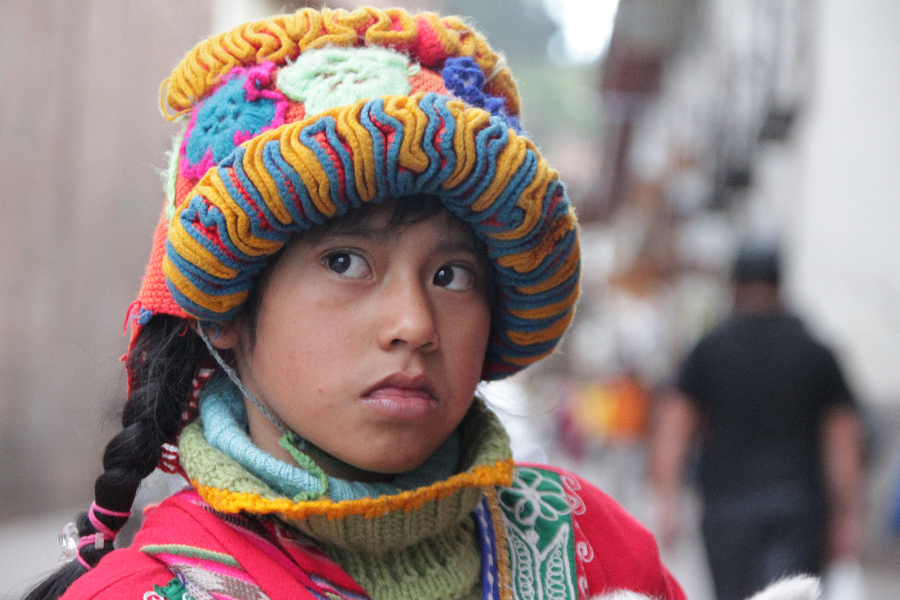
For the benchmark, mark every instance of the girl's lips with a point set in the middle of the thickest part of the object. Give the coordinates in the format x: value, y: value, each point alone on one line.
x: 401, y: 402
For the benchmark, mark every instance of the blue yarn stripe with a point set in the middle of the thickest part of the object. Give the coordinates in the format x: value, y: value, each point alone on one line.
x: 544, y: 270
x: 267, y: 228
x: 386, y: 152
x: 198, y: 311
x: 435, y: 109
x: 489, y: 143
x: 299, y: 203
x: 504, y: 207
x: 490, y: 579
x: 551, y: 210
x: 209, y: 215
x: 328, y: 126
x: 210, y: 284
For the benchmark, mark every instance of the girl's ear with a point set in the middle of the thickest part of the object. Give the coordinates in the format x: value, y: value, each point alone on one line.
x: 223, y: 336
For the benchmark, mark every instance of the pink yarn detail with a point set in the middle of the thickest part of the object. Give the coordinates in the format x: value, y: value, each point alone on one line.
x: 258, y: 77
x: 263, y: 75
x: 429, y: 49
x: 104, y: 533
x: 109, y: 513
x: 199, y: 170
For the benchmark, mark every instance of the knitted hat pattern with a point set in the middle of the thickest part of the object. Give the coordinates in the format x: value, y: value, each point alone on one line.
x: 297, y: 119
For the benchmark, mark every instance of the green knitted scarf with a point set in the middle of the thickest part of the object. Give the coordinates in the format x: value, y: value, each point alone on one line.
x: 425, y: 550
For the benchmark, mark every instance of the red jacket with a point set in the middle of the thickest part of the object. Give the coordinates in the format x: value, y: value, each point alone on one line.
x: 610, y: 549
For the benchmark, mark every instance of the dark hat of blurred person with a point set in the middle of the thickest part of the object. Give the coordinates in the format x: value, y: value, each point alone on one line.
x: 757, y: 262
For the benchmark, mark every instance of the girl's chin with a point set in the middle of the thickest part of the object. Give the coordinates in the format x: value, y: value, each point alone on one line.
x: 365, y: 473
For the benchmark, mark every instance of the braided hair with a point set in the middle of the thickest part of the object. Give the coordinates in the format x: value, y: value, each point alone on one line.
x: 162, y: 365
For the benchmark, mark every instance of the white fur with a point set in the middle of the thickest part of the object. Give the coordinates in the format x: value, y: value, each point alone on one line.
x: 622, y: 595
x: 800, y: 587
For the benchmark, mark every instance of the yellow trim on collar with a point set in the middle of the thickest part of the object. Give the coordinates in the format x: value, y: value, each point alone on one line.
x: 500, y: 474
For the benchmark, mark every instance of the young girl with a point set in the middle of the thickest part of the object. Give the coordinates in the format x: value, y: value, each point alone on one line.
x: 356, y: 233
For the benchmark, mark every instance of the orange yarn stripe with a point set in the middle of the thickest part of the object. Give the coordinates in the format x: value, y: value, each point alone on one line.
x: 370, y: 508
x: 527, y: 261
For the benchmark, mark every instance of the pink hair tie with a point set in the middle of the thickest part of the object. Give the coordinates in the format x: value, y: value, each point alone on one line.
x: 104, y: 533
x: 107, y: 512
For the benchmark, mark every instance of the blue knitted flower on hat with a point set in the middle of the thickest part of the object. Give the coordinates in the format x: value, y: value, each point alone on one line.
x: 240, y: 109
x: 464, y: 79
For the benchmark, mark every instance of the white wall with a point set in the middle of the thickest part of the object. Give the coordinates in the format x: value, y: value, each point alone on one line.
x: 844, y: 232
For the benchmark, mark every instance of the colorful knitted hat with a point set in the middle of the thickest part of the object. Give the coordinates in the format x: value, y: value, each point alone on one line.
x: 293, y: 120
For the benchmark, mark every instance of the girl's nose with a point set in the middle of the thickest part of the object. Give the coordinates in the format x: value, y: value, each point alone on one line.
x: 408, y: 317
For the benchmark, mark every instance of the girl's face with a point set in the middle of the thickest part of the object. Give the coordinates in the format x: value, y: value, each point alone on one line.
x: 369, y: 342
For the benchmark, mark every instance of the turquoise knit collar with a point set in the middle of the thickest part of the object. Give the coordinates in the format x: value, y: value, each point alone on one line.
x: 226, y: 428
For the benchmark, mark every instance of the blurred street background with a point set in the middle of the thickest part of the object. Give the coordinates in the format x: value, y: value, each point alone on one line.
x: 680, y: 127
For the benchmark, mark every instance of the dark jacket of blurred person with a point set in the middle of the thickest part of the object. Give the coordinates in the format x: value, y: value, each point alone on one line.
x: 780, y: 466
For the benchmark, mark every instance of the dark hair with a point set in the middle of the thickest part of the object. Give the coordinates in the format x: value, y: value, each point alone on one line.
x: 161, y: 366
x: 757, y: 263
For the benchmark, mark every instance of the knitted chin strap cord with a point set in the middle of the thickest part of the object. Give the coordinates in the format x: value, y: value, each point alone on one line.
x: 298, y: 447
x: 236, y: 380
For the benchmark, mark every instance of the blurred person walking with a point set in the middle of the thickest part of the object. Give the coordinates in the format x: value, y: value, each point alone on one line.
x: 780, y: 453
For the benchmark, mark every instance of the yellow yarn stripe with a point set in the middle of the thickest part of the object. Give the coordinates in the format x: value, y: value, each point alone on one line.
x: 406, y: 110
x: 567, y: 269
x: 525, y: 262
x: 509, y: 160
x: 527, y: 338
x: 531, y: 201
x: 468, y: 123
x: 307, y: 165
x: 236, y: 220
x: 500, y: 474
x: 194, y: 252
x: 360, y: 141
x: 381, y: 32
x: 184, y: 285
x: 550, y: 309
x: 256, y: 171
x: 279, y: 38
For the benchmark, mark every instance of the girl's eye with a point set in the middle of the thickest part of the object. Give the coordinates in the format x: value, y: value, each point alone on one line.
x: 348, y: 264
x: 454, y: 278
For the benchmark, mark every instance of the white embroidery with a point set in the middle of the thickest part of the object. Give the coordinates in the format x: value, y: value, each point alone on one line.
x: 534, y: 502
x: 583, y: 550
x: 542, y: 569
x: 572, y: 486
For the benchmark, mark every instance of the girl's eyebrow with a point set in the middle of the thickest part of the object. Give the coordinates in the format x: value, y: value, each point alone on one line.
x: 458, y: 245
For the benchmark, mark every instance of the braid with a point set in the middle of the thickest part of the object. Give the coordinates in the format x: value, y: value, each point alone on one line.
x: 161, y: 367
